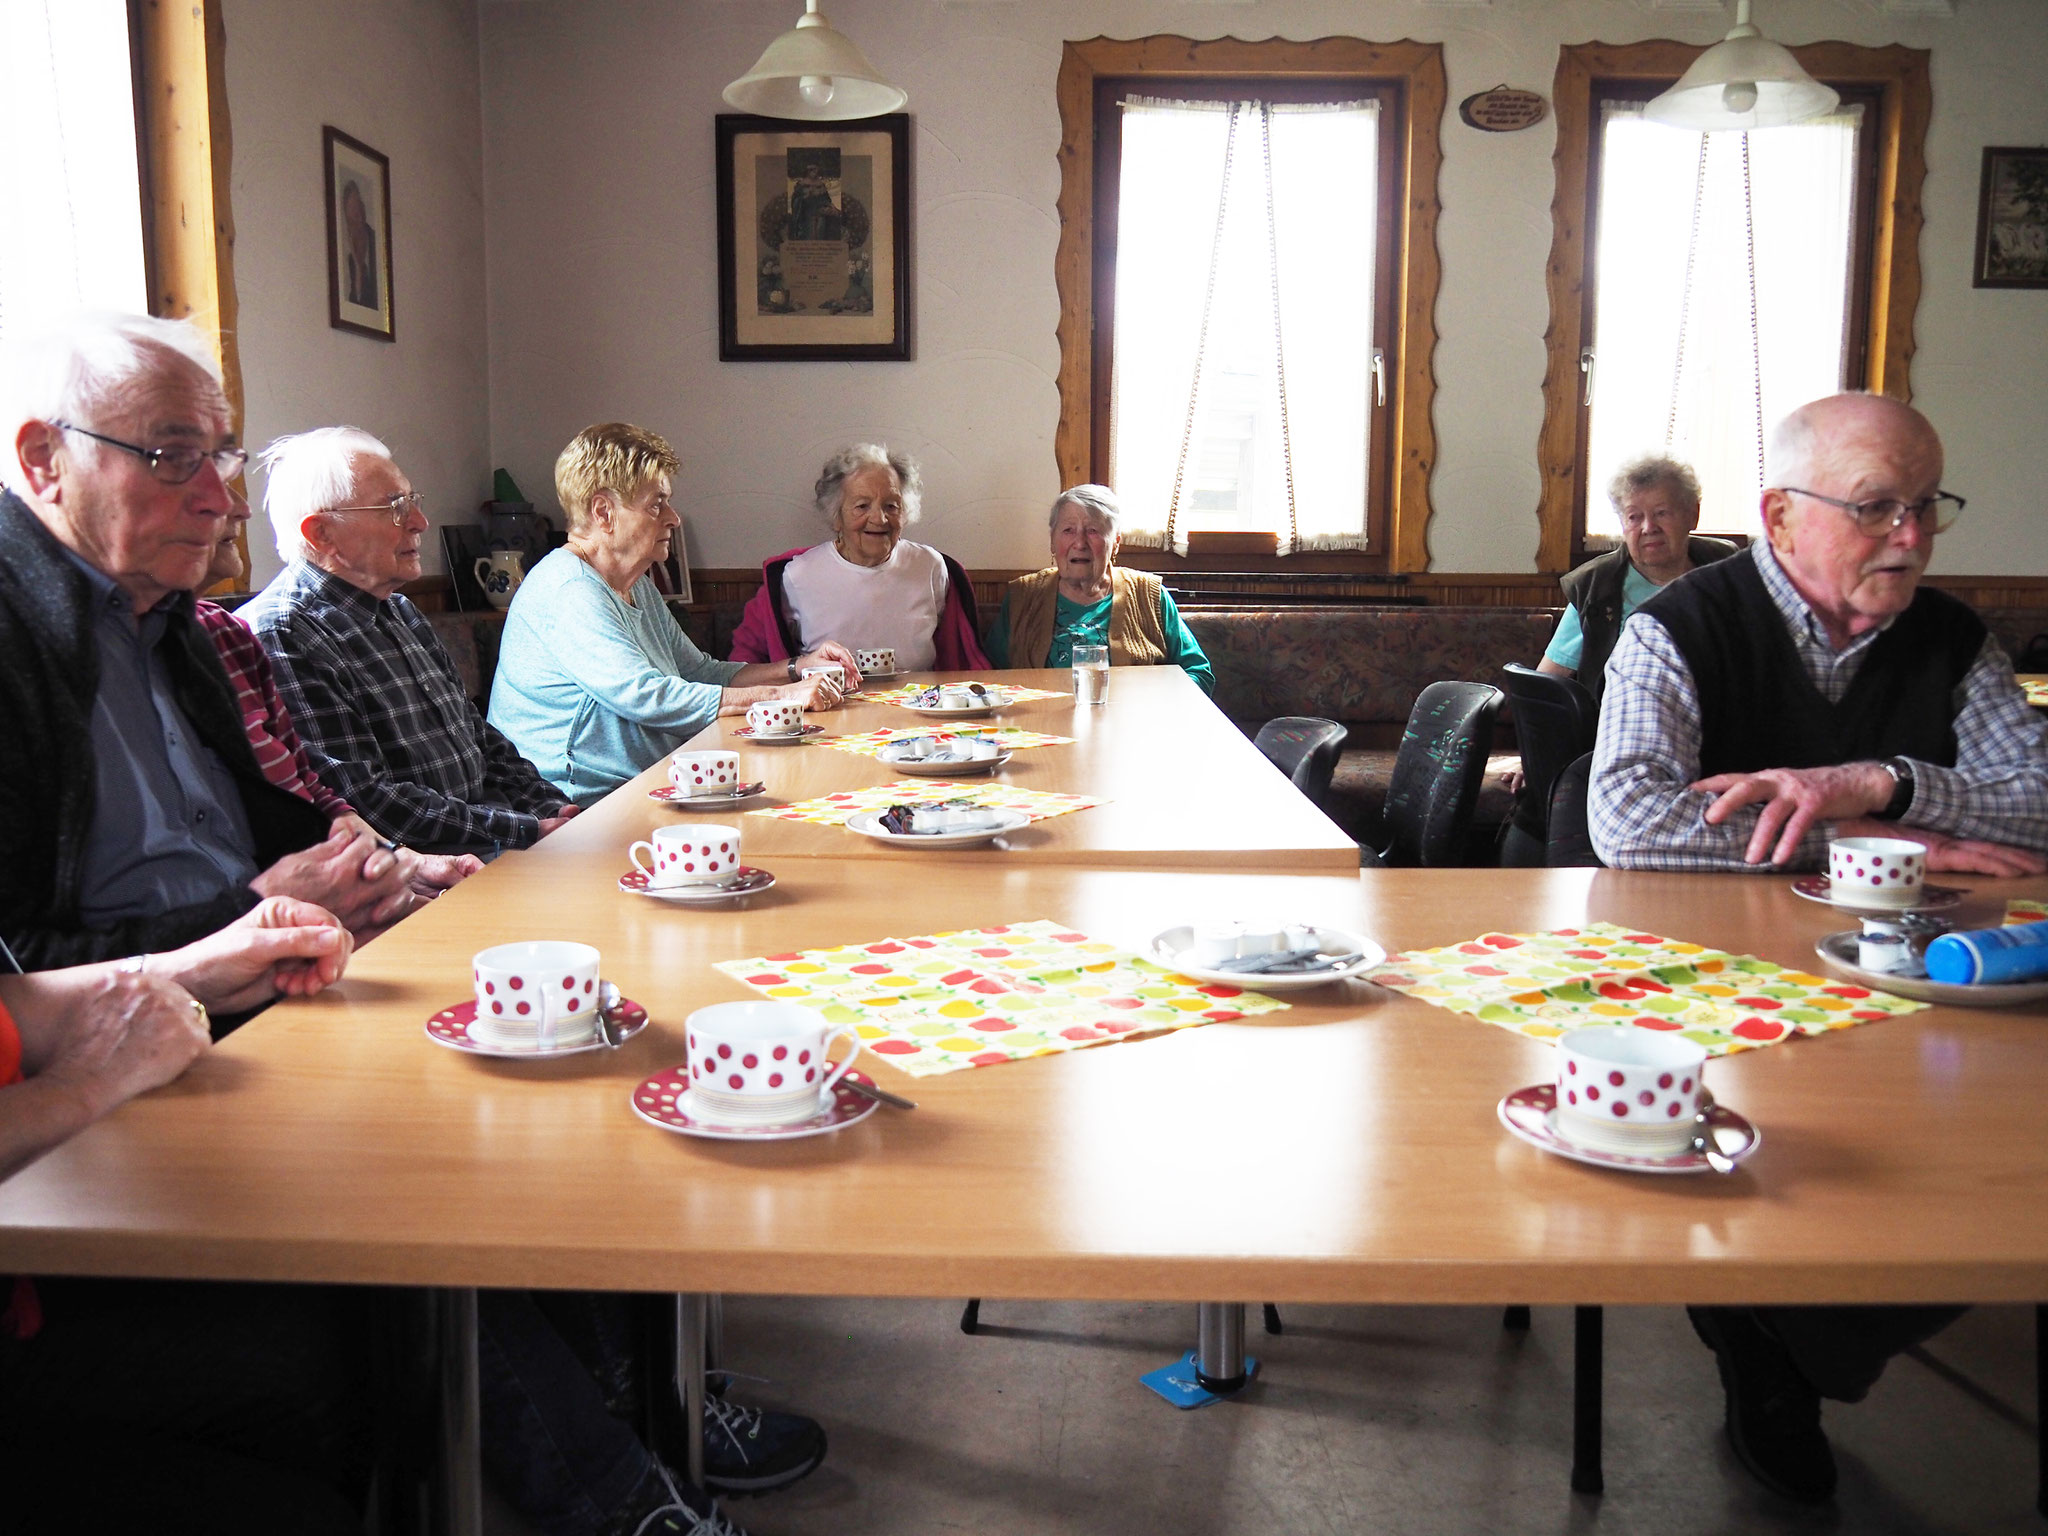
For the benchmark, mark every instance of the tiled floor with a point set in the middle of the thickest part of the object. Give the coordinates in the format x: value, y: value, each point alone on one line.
x: 1402, y: 1421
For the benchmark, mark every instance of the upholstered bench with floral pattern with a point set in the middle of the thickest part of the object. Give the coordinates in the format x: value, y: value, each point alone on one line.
x: 1363, y: 667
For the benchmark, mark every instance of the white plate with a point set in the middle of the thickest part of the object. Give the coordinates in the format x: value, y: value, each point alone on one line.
x: 746, y: 882
x: 869, y: 824
x: 997, y: 700
x: 1531, y: 1115
x: 946, y: 770
x: 748, y: 734
x: 668, y: 794
x: 1839, y: 950
x: 1933, y: 898
x: 1168, y: 945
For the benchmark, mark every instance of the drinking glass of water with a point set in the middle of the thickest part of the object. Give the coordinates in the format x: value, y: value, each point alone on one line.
x: 1091, y: 674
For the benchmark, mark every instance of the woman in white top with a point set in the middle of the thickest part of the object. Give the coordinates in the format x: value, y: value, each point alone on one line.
x: 869, y: 588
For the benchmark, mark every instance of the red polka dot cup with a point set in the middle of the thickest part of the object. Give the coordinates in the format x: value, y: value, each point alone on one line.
x: 541, y: 994
x: 1624, y: 1089
x: 775, y: 717
x: 688, y: 853
x: 763, y: 1063
x: 704, y: 773
x: 1876, y: 871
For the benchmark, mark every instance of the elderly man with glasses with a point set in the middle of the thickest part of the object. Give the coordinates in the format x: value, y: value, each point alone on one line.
x: 371, y: 689
x: 1809, y: 688
x: 134, y: 816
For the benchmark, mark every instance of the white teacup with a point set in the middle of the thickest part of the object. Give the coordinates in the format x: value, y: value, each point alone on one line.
x: 776, y: 717
x: 704, y: 773
x: 1876, y: 871
x: 881, y: 660
x: 1621, y: 1088
x: 689, y: 853
x: 830, y: 669
x: 762, y: 1063
x: 541, y: 994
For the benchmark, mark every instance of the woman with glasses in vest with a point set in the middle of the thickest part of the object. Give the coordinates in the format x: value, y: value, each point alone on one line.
x: 1085, y: 598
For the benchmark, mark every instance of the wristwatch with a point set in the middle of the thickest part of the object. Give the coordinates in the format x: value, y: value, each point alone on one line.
x: 1901, y: 770
x: 792, y: 669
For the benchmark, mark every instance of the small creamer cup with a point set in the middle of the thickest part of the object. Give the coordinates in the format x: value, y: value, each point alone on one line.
x: 1876, y: 871
x: 1621, y: 1088
x: 776, y: 717
x: 541, y: 994
x: 763, y: 1063
x: 956, y: 696
x: 881, y: 659
x: 704, y: 773
x: 688, y: 853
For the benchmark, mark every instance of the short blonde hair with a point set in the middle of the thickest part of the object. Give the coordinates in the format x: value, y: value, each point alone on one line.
x: 613, y: 456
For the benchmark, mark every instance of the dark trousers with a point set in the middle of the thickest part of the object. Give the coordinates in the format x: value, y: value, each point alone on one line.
x: 174, y: 1407
x: 1841, y: 1351
x: 556, y: 1379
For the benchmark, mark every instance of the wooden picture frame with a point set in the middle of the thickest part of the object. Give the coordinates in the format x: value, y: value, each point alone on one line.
x: 356, y: 186
x: 813, y: 239
x: 2012, y: 218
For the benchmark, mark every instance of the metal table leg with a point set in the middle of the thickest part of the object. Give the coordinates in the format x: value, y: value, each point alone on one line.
x: 692, y: 1319
x: 459, y: 1508
x: 714, y: 1334
x: 2041, y: 1407
x: 1219, y: 1346
x: 1587, y: 1329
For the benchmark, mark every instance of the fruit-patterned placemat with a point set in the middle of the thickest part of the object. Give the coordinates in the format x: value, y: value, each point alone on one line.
x: 833, y: 809
x: 1012, y: 693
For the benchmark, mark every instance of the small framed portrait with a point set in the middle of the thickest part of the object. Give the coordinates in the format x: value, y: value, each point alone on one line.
x: 2012, y: 219
x: 813, y: 239
x: 358, y: 183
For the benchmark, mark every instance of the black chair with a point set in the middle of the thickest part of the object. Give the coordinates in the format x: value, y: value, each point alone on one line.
x: 1570, y: 845
x: 1306, y: 749
x: 1437, y: 775
x: 1555, y: 721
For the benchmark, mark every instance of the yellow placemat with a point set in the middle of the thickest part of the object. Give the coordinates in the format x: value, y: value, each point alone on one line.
x: 1012, y: 693
x: 2025, y: 910
x: 1008, y: 737
x: 973, y: 997
x: 834, y: 809
x: 1542, y: 984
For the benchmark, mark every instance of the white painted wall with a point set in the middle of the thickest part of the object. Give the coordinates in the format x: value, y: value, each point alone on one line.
x: 401, y: 76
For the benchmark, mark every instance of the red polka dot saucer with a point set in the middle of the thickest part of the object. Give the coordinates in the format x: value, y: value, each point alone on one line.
x: 744, y: 881
x: 456, y: 1028
x: 1933, y: 898
x: 1531, y: 1114
x: 668, y: 794
x: 664, y: 1100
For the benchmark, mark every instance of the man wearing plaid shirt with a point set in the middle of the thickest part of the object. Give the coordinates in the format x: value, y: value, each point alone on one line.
x: 369, y: 686
x: 1808, y: 689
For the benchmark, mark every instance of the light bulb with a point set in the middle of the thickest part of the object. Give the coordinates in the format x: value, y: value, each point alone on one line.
x: 1739, y: 95
x: 816, y: 90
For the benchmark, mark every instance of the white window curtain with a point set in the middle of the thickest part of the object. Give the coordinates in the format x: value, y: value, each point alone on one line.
x: 68, y: 176
x: 1674, y: 368
x: 1273, y: 282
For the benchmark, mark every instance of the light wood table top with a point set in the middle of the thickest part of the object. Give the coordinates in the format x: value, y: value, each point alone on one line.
x: 1184, y: 788
x: 1345, y: 1150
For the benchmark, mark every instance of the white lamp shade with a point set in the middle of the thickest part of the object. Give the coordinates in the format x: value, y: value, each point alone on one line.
x: 1700, y: 101
x: 815, y: 74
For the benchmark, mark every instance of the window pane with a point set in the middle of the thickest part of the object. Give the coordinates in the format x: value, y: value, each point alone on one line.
x: 1323, y: 227
x: 1802, y: 191
x: 70, y: 157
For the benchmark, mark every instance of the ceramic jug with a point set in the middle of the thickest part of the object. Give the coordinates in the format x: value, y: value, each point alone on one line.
x: 499, y: 574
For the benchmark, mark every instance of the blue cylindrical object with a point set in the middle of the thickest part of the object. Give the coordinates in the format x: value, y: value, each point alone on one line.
x: 2018, y: 953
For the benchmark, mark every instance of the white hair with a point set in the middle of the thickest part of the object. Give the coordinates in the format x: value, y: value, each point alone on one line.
x: 88, y: 369
x: 830, y: 491
x: 1098, y: 501
x: 1788, y: 452
x: 308, y: 472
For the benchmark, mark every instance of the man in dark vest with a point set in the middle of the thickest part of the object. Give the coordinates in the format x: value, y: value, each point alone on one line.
x: 1804, y: 690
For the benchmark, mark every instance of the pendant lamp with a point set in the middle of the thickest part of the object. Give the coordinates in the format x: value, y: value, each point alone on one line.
x: 1743, y: 81
x: 816, y: 74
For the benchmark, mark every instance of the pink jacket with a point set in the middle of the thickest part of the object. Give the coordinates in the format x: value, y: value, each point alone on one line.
x: 766, y: 634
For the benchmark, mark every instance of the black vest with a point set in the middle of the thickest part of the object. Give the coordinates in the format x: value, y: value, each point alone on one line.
x: 1595, y: 590
x: 1757, y: 709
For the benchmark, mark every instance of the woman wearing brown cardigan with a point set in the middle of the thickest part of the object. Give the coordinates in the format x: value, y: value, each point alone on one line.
x: 1085, y: 598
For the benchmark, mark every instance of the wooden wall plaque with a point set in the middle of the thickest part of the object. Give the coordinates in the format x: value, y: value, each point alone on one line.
x: 1502, y: 109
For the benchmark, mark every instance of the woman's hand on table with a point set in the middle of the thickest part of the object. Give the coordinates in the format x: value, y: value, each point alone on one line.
x: 280, y: 947
x: 832, y: 654
x: 814, y: 692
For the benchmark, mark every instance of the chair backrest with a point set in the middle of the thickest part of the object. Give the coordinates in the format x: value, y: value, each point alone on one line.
x: 1555, y: 721
x: 1437, y: 773
x: 1306, y: 749
x: 1571, y: 837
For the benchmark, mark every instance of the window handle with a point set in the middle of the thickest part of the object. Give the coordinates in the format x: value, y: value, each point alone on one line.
x: 1586, y: 367
x: 1379, y: 377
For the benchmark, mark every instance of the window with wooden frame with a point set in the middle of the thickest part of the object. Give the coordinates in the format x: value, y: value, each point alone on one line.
x: 1763, y: 270
x: 1267, y: 211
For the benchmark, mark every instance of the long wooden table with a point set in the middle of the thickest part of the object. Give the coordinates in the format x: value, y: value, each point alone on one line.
x: 1183, y: 787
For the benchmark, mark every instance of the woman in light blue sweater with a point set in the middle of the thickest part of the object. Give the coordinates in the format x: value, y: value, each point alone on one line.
x: 596, y: 680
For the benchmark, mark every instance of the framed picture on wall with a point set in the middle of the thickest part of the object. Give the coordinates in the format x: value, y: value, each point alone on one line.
x: 2012, y: 219
x: 813, y: 239
x: 358, y: 188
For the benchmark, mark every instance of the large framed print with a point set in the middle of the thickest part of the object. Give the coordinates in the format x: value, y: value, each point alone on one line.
x: 2012, y: 218
x: 813, y: 239
x: 358, y: 186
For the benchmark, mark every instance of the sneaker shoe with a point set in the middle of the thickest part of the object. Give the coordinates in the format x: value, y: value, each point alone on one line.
x: 1773, y: 1414
x: 749, y: 1450
x: 685, y: 1513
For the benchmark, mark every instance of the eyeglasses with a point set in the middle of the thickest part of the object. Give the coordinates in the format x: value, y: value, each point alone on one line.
x: 397, y: 508
x: 1875, y: 519
x: 173, y: 466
